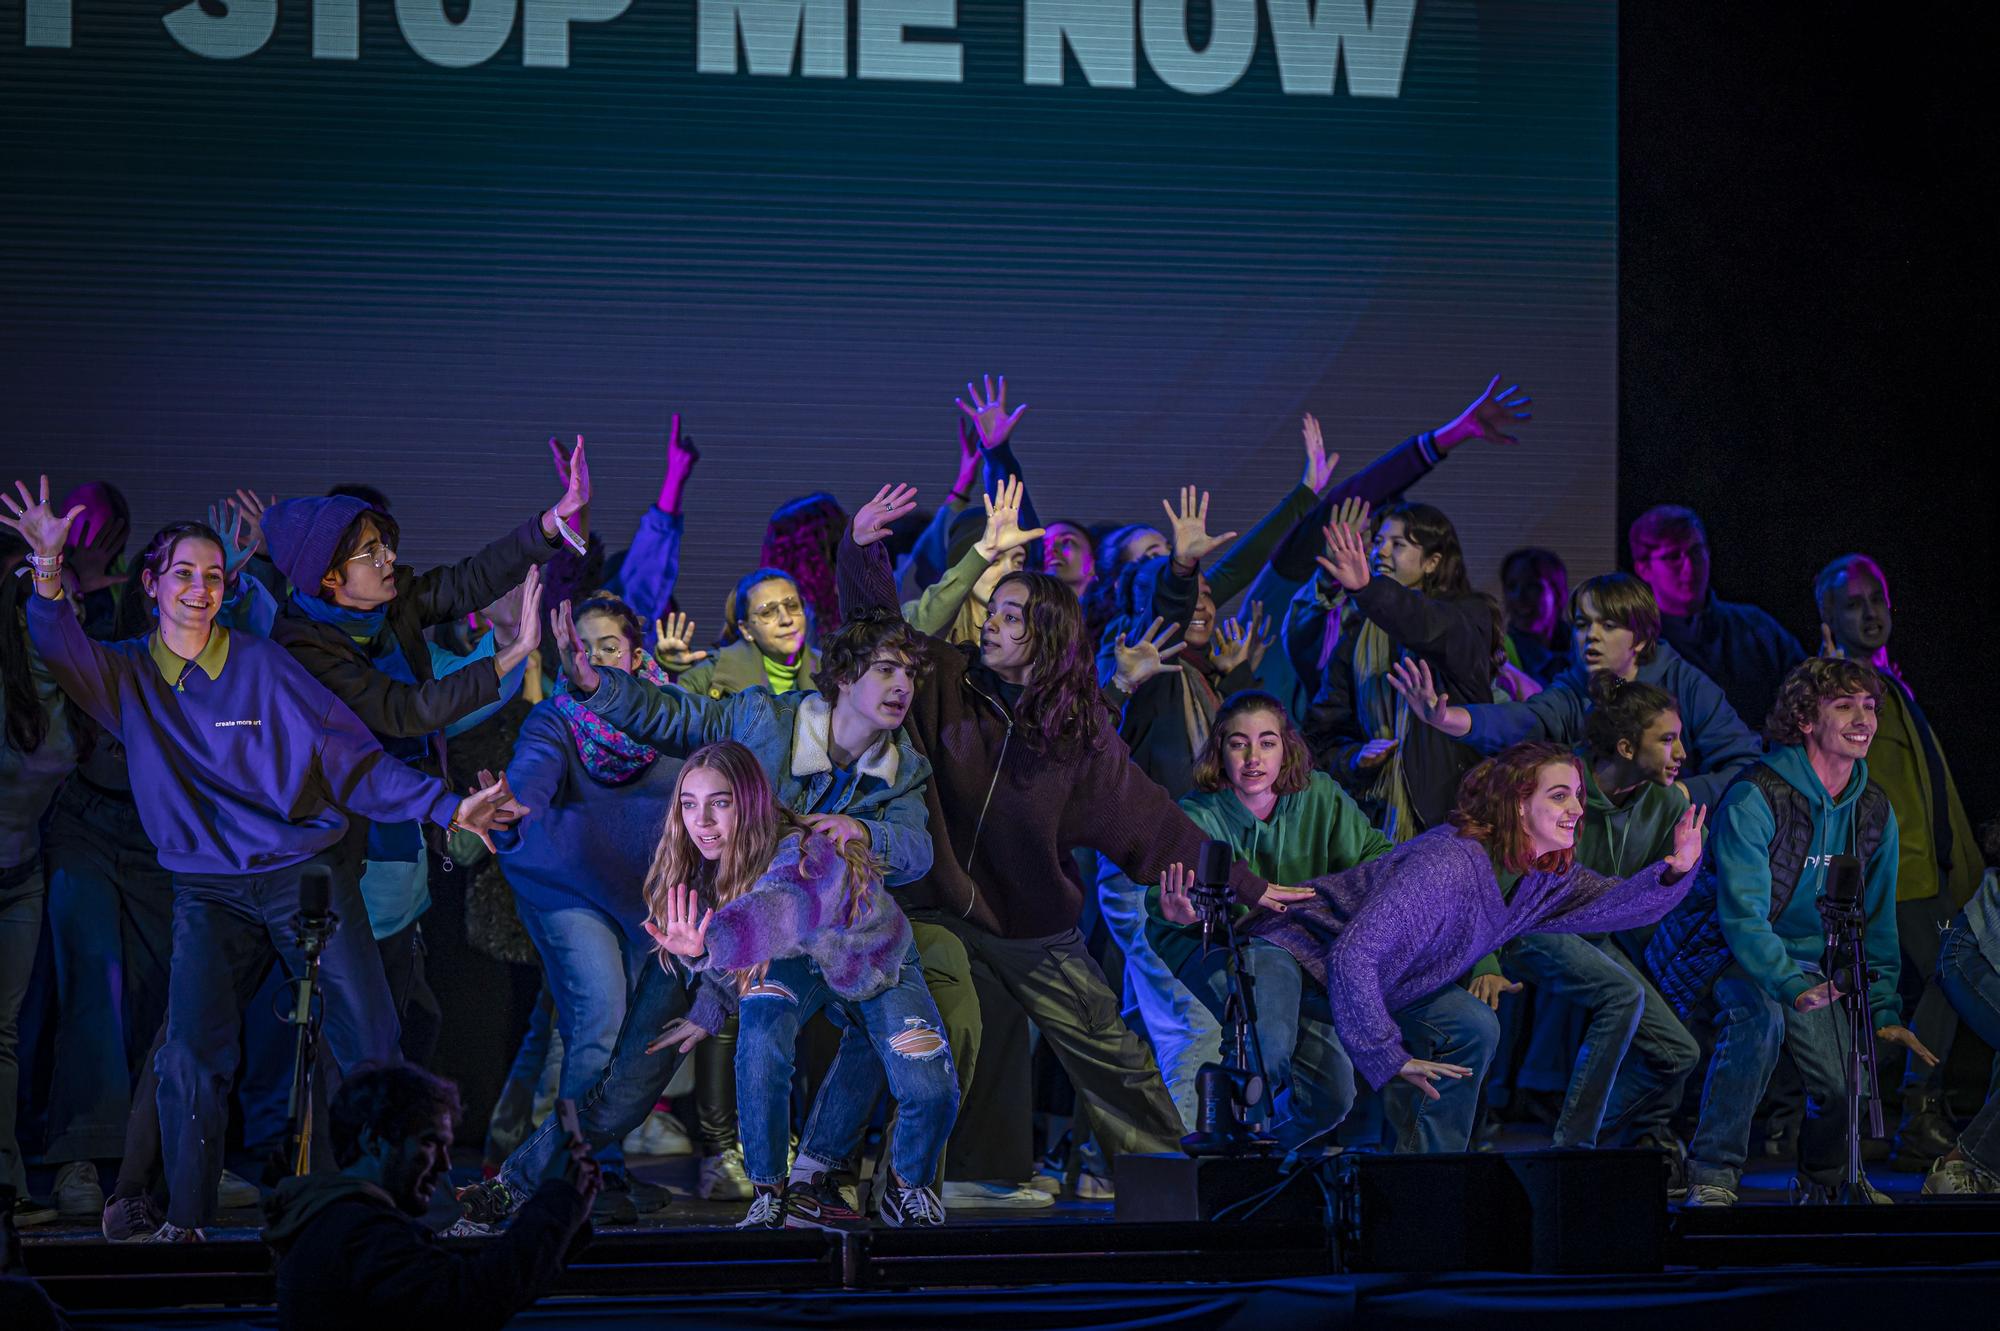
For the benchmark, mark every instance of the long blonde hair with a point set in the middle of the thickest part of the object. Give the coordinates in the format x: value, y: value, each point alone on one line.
x: 761, y: 823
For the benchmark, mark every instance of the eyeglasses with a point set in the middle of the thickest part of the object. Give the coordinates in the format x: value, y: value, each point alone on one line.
x: 771, y: 611
x: 377, y: 554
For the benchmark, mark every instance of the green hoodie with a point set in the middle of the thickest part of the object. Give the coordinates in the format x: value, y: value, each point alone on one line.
x: 1318, y: 830
x: 1619, y: 840
x: 1776, y: 953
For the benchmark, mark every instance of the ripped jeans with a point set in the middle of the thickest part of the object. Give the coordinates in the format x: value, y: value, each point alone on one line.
x: 897, y: 1033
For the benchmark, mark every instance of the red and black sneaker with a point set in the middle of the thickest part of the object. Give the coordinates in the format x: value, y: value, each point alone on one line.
x: 819, y: 1205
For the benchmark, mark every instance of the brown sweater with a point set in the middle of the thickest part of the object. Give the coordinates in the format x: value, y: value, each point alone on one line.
x: 1003, y: 818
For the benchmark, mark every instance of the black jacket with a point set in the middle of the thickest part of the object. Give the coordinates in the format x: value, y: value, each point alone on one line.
x: 1456, y: 637
x: 347, y: 1257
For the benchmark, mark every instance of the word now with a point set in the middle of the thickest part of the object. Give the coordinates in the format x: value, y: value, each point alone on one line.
x: 810, y: 37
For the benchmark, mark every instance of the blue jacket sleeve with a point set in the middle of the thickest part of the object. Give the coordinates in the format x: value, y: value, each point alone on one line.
x: 924, y: 564
x: 90, y: 673
x: 446, y: 663
x: 1721, y: 743
x: 901, y: 838
x: 1884, y: 949
x: 1000, y: 464
x: 671, y: 719
x: 535, y: 772
x: 652, y: 566
x: 1740, y: 842
x: 1556, y: 713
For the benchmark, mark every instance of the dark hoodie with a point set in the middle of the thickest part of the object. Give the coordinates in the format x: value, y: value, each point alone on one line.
x: 348, y: 1257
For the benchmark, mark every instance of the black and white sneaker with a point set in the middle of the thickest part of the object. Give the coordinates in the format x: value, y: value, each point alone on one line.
x: 906, y: 1207
x: 767, y: 1209
x: 819, y: 1205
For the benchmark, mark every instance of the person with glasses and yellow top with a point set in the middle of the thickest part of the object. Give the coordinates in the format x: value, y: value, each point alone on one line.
x: 765, y: 646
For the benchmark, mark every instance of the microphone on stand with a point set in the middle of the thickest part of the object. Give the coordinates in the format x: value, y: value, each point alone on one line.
x: 1211, y: 893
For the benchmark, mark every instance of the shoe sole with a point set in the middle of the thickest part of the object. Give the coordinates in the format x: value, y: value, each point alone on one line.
x: 829, y: 1226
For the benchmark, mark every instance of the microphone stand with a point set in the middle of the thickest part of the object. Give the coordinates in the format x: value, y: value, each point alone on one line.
x: 308, y: 1011
x: 1228, y: 1093
x: 1846, y: 966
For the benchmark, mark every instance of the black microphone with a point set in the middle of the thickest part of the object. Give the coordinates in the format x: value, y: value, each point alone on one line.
x: 1843, y: 882
x: 1211, y: 891
x: 315, y: 892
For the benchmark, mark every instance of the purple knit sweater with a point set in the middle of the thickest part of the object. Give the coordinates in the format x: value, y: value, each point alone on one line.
x: 1393, y: 930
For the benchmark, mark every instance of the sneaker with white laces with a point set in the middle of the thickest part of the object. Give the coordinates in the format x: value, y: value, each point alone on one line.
x: 27, y: 1211
x: 660, y: 1135
x: 77, y: 1191
x: 169, y: 1232
x: 466, y: 1228
x: 905, y: 1206
x: 1960, y: 1178
x: 1710, y: 1194
x: 767, y: 1210
x: 486, y: 1203
x: 130, y: 1219
x: 819, y: 1204
x: 722, y: 1177
x: 235, y: 1192
x: 995, y: 1197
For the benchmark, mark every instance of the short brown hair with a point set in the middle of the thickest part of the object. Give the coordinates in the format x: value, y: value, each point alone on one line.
x: 1489, y: 799
x: 1813, y: 681
x: 868, y: 633
x: 1294, y: 773
x: 1625, y: 601
x: 1664, y: 524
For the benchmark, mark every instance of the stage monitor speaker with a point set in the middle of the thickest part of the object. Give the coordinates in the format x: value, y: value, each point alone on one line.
x: 1176, y: 1187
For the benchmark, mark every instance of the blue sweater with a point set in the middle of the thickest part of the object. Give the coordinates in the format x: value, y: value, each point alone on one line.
x: 1719, y: 745
x: 1776, y: 953
x: 243, y: 772
x: 1741, y: 648
x: 583, y: 842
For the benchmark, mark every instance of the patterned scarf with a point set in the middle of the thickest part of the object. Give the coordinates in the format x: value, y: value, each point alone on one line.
x: 1386, y: 716
x: 609, y: 755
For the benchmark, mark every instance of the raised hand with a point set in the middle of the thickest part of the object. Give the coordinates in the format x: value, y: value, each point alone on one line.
x: 1234, y: 643
x: 1488, y: 988
x: 1907, y: 1038
x: 1346, y: 557
x: 237, y: 547
x: 1687, y: 840
x: 875, y: 517
x: 1412, y: 678
x: 527, y: 627
x: 36, y: 521
x: 673, y: 644
x: 1175, y: 903
x: 1147, y: 655
x: 1189, y: 526
x: 1319, y: 463
x: 570, y: 650
x: 1373, y: 754
x: 1003, y: 521
x: 574, y: 471
x: 252, y: 508
x: 988, y: 412
x: 681, y: 457
x: 968, y: 464
x: 1827, y: 646
x: 1420, y: 1073
x: 684, y: 930
x: 485, y: 809
x: 682, y: 1034
x: 510, y: 803
x: 1494, y: 415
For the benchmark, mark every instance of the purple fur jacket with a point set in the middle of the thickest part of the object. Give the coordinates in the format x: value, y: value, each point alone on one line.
x: 1393, y: 930
x: 793, y: 911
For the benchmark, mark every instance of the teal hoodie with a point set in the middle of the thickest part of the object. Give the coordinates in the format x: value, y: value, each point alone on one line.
x: 1777, y: 954
x: 1618, y: 840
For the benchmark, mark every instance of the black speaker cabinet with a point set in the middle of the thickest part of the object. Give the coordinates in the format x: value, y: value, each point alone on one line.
x: 1174, y: 1187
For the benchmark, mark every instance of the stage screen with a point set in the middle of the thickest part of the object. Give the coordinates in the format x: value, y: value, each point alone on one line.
x: 405, y: 241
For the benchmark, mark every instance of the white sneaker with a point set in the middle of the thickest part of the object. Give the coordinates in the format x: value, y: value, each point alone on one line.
x: 467, y: 1228
x: 1094, y: 1188
x: 996, y: 1196
x: 1710, y: 1194
x: 77, y: 1190
x: 905, y: 1207
x: 1959, y: 1178
x: 723, y: 1179
x: 173, y: 1233
x: 236, y: 1192
x: 661, y: 1134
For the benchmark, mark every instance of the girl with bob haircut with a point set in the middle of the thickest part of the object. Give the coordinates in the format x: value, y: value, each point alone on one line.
x: 1256, y: 789
x: 1389, y: 937
x: 781, y: 921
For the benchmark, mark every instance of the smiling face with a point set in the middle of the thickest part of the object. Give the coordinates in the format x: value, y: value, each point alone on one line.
x: 189, y: 588
x: 604, y: 638
x: 1660, y: 754
x: 881, y: 697
x: 1066, y: 553
x: 1605, y: 644
x: 774, y: 619
x: 413, y: 1167
x: 366, y: 580
x: 708, y: 811
x: 1201, y: 624
x: 1857, y: 610
x: 1551, y: 814
x: 1253, y: 756
x: 1399, y: 558
x: 1843, y: 728
x: 1005, y: 646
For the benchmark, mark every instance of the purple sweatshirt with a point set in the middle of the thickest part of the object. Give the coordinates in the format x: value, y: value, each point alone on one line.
x: 241, y: 773
x: 1393, y: 930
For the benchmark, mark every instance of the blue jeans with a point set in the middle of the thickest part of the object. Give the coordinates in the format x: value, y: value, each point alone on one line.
x: 1184, y: 1033
x: 631, y: 1084
x: 110, y: 920
x: 225, y: 927
x: 590, y: 965
x: 1973, y: 987
x: 1309, y: 1073
x: 1750, y: 1026
x: 896, y: 1035
x: 1449, y: 1026
x: 1635, y: 1055
x: 20, y: 934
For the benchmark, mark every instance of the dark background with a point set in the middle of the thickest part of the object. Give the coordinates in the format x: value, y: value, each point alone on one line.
x: 1804, y: 356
